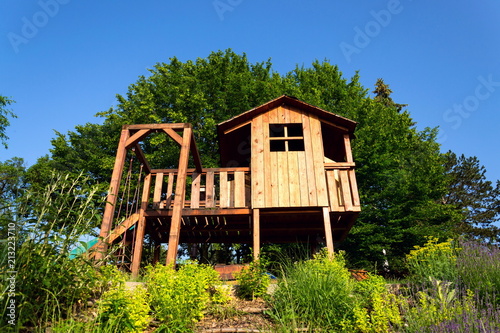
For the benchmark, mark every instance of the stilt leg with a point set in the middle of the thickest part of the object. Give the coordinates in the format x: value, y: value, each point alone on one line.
x: 256, y: 234
x: 328, y: 230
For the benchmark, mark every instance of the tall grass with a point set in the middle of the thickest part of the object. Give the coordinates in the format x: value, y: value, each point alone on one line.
x: 314, y: 294
x: 46, y: 225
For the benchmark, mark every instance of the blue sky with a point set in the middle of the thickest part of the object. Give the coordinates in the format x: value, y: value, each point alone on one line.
x: 63, y: 61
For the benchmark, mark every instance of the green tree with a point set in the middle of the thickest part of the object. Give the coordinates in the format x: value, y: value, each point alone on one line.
x: 474, y: 196
x: 4, y: 118
x: 401, y: 179
x: 400, y: 170
x: 383, y: 94
x: 11, y: 180
x: 12, y: 186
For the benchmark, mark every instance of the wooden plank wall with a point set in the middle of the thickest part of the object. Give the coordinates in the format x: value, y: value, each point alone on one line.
x: 287, y: 179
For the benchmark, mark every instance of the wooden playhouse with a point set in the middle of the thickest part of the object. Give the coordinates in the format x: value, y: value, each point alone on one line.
x: 286, y: 175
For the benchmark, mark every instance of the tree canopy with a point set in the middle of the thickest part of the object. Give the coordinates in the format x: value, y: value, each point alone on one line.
x: 5, y: 113
x: 401, y: 173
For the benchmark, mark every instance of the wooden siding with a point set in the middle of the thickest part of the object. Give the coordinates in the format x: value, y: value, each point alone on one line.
x: 287, y: 178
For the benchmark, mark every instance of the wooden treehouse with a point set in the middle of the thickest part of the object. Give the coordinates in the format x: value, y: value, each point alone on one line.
x: 287, y: 176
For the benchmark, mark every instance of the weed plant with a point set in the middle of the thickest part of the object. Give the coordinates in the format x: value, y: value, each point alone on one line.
x: 252, y: 281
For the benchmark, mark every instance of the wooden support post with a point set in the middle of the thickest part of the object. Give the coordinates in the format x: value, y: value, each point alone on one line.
x: 114, y: 186
x: 256, y: 234
x: 157, y: 252
x: 141, y: 227
x: 347, y: 146
x: 328, y: 230
x: 175, y: 226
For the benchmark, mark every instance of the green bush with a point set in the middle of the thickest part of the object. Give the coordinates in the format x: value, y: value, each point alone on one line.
x: 125, y: 310
x: 376, y: 309
x: 252, y: 281
x: 179, y: 298
x: 437, y: 260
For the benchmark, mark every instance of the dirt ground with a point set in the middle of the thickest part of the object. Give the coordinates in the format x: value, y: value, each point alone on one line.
x: 245, y: 316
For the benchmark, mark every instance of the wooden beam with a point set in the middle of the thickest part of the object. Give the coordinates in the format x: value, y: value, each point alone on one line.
x: 339, y: 165
x: 141, y: 227
x: 174, y: 126
x: 256, y: 234
x: 204, y: 170
x: 142, y: 158
x: 348, y: 151
x: 157, y: 252
x: 174, y: 135
x: 346, y: 189
x: 117, y: 232
x: 328, y: 231
x: 157, y: 191
x: 114, y: 186
x: 210, y: 190
x: 239, y: 189
x: 224, y: 190
x: 175, y: 227
x: 195, y: 190
x: 237, y: 127
x: 200, y: 212
x: 196, y: 154
x: 354, y: 188
x: 338, y: 127
x: 139, y: 135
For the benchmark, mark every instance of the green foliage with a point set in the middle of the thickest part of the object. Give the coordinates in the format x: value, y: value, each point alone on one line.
x: 435, y: 260
x: 12, y: 186
x: 316, y: 294
x: 126, y: 309
x: 253, y: 280
x: 376, y: 309
x: 439, y: 304
x: 472, y: 194
x: 179, y: 298
x: 4, y: 118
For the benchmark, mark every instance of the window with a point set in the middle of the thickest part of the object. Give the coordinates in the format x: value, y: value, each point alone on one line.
x: 286, y: 137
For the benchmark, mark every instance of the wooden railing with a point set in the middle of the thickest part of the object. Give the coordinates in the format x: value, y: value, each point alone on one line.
x: 212, y: 188
x: 230, y: 188
x: 342, y: 187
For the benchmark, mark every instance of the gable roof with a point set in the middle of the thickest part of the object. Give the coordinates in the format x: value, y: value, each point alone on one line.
x: 324, y: 115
